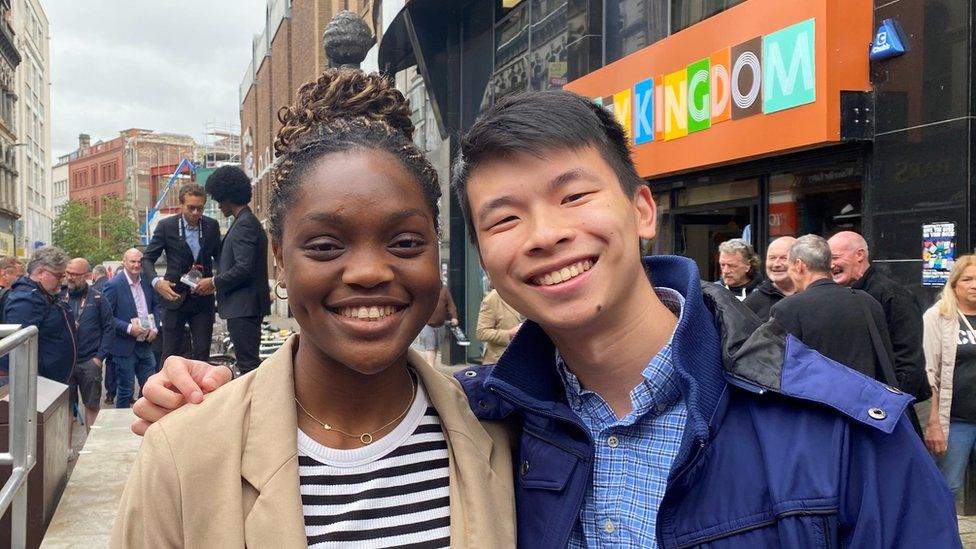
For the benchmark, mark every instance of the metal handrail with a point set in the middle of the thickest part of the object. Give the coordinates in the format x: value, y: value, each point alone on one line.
x: 21, y: 345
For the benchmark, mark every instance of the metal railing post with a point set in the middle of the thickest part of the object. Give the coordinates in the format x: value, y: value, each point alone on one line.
x: 21, y: 345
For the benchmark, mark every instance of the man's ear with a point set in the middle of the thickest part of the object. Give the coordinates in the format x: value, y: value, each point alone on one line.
x: 646, y: 211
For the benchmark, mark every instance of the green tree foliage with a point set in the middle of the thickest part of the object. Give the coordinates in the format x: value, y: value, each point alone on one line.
x: 75, y: 229
x: 98, y: 239
x: 118, y: 228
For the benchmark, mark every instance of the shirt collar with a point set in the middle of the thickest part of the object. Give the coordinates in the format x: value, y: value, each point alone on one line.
x: 129, y: 278
x: 658, y: 387
x: 187, y: 224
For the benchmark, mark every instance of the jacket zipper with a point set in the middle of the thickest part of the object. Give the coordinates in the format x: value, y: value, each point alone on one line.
x: 582, y: 493
x: 826, y: 531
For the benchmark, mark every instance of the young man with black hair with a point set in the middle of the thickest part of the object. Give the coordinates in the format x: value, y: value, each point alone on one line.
x: 652, y: 409
x: 243, y: 294
x: 191, y: 242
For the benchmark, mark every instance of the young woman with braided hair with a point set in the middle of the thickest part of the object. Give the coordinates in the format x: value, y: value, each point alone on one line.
x: 345, y: 435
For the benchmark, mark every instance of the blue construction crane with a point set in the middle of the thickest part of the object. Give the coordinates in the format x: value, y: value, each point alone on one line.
x: 144, y: 229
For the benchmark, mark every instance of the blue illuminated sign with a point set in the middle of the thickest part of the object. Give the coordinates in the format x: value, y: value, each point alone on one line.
x: 888, y: 41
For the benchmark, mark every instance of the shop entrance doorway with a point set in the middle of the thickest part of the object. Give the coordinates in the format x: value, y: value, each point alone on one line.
x: 698, y: 233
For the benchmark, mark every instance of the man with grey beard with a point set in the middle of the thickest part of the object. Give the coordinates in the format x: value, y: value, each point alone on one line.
x: 93, y: 324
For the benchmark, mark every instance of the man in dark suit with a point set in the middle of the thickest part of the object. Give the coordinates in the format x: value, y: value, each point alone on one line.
x: 243, y: 295
x: 829, y: 317
x: 135, y: 318
x: 99, y: 277
x: 191, y: 242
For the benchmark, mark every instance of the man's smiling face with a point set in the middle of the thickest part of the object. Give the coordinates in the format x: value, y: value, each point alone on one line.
x: 557, y: 234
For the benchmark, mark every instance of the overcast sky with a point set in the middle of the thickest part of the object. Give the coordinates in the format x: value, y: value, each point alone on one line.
x: 166, y: 66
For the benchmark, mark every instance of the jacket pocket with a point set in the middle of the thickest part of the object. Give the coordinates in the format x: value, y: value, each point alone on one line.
x: 543, y: 464
x: 796, y: 530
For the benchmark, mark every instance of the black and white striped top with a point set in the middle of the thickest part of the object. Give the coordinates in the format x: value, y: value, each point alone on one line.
x: 392, y: 493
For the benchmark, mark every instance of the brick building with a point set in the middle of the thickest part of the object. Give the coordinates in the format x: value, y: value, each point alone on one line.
x: 286, y: 55
x: 123, y: 168
x: 96, y: 172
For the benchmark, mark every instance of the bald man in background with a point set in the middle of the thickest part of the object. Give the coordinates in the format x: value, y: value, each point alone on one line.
x: 777, y: 284
x: 851, y: 267
x: 94, y: 334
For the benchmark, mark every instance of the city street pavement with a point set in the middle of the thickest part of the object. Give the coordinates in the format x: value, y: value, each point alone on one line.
x: 967, y: 531
x: 87, y: 509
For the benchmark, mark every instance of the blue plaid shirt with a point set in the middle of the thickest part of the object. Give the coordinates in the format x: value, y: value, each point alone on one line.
x: 633, y: 454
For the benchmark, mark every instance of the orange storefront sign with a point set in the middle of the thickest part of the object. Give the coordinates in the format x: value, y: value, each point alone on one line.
x: 760, y: 78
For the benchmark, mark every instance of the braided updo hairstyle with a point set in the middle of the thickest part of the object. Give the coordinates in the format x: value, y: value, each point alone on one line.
x: 344, y: 109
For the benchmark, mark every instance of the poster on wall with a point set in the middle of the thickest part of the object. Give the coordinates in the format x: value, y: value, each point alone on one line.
x: 938, y: 252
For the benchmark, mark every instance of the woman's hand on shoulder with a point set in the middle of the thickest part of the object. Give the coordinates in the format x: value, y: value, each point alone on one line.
x: 179, y: 382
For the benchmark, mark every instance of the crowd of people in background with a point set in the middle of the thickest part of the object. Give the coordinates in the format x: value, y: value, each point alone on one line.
x: 95, y: 327
x: 827, y: 294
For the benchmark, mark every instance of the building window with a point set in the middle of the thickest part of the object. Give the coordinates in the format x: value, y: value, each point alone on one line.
x: 685, y: 13
x: 634, y: 24
x: 547, y: 61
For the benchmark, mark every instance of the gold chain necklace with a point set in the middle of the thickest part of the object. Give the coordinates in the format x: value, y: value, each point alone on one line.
x: 365, y: 438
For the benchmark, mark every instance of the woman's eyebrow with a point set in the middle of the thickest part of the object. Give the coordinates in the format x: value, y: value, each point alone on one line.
x: 339, y: 219
x: 403, y: 214
x: 327, y: 217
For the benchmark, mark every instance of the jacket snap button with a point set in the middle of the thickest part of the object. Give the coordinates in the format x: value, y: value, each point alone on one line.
x: 470, y: 373
x: 877, y: 413
x: 612, y: 441
x: 893, y: 390
x: 483, y: 404
x: 525, y: 467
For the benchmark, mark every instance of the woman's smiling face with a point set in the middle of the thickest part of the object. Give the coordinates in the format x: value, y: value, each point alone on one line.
x: 359, y: 259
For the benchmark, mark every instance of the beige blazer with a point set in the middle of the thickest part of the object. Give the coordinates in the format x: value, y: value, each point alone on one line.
x: 939, y: 345
x: 495, y: 319
x: 225, y: 473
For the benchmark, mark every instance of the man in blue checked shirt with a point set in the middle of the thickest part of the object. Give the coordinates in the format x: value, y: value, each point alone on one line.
x: 654, y: 410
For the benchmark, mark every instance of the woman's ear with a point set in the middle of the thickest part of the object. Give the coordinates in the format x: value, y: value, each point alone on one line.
x: 279, y: 262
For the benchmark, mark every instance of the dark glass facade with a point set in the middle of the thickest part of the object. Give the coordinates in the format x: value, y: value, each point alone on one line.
x: 910, y: 163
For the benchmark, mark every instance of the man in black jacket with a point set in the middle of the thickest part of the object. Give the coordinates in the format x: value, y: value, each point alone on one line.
x: 851, y: 266
x: 778, y: 283
x: 243, y: 295
x: 94, y: 332
x: 191, y: 242
x: 829, y: 317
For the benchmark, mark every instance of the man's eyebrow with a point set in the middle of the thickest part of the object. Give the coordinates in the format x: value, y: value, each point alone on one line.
x: 555, y: 184
x: 570, y: 176
x: 494, y: 204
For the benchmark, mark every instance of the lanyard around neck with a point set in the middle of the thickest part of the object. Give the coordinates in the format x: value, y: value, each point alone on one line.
x: 81, y: 308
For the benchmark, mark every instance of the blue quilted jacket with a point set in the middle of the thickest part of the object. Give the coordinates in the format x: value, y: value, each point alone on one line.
x: 782, y: 446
